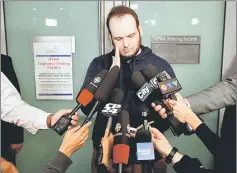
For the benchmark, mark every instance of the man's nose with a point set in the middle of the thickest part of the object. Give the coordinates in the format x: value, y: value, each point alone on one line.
x: 125, y: 43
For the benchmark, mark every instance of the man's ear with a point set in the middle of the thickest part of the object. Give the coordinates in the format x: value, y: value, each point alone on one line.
x: 140, y: 29
x: 110, y: 38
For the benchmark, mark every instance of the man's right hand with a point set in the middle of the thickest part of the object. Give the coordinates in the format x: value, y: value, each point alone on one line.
x: 116, y: 58
x: 74, y: 139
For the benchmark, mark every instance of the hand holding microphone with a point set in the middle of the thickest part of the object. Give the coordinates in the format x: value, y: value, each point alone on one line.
x: 111, y: 109
x: 162, y: 110
x: 160, y: 142
x: 160, y: 87
x: 121, y: 146
x: 83, y: 99
x: 185, y: 114
x: 74, y: 139
x: 107, y: 144
x: 72, y: 120
x: 163, y: 146
x: 103, y: 92
x: 150, y: 91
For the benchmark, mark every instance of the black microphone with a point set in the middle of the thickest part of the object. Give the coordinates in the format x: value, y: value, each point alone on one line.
x: 121, y: 146
x: 114, y: 103
x: 112, y: 108
x: 83, y: 98
x: 145, y: 150
x: 167, y: 86
x: 102, y: 93
x: 146, y: 93
x: 144, y: 112
x: 145, y: 89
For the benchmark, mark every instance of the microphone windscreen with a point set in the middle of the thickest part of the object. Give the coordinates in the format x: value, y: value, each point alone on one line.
x: 143, y: 135
x: 121, y: 146
x: 96, y: 81
x: 85, y: 97
x: 149, y: 71
x: 121, y: 153
x: 138, y: 79
x: 116, y: 96
x: 87, y: 94
x: 107, y: 84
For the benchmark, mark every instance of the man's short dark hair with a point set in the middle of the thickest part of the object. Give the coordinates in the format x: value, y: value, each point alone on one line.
x: 120, y: 11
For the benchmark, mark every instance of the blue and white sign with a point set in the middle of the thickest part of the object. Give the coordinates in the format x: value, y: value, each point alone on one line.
x: 145, y: 151
x: 53, y: 70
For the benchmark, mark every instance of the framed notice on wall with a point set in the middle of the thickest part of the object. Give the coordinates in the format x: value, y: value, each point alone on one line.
x: 53, y: 70
x: 177, y: 49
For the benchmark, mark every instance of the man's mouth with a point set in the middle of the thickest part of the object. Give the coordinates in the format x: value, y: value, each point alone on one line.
x: 127, y: 51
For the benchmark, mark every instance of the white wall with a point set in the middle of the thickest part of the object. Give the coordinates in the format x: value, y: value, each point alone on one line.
x: 229, y: 54
x: 3, y: 38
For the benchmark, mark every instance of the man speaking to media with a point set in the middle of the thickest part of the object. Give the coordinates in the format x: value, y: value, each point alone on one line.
x: 125, y: 33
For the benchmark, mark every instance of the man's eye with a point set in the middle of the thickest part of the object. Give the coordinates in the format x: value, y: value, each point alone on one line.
x: 131, y: 35
x: 117, y: 39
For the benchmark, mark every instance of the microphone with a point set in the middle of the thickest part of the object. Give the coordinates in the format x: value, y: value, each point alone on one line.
x: 167, y: 86
x: 88, y: 92
x: 112, y: 108
x: 84, y: 98
x: 102, y: 93
x: 144, y: 112
x: 145, y: 148
x: 107, y: 85
x: 114, y: 104
x: 121, y: 146
x: 146, y: 90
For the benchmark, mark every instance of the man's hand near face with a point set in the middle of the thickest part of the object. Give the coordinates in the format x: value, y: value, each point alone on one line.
x: 116, y: 58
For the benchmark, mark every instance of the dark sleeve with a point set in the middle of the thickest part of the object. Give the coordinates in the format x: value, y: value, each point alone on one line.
x: 8, y: 70
x: 15, y: 134
x: 59, y: 164
x: 209, y: 139
x: 12, y: 133
x: 91, y: 72
x: 102, y: 169
x: 187, y: 165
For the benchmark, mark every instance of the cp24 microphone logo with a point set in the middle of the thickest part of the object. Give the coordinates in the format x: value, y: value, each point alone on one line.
x: 111, y: 108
